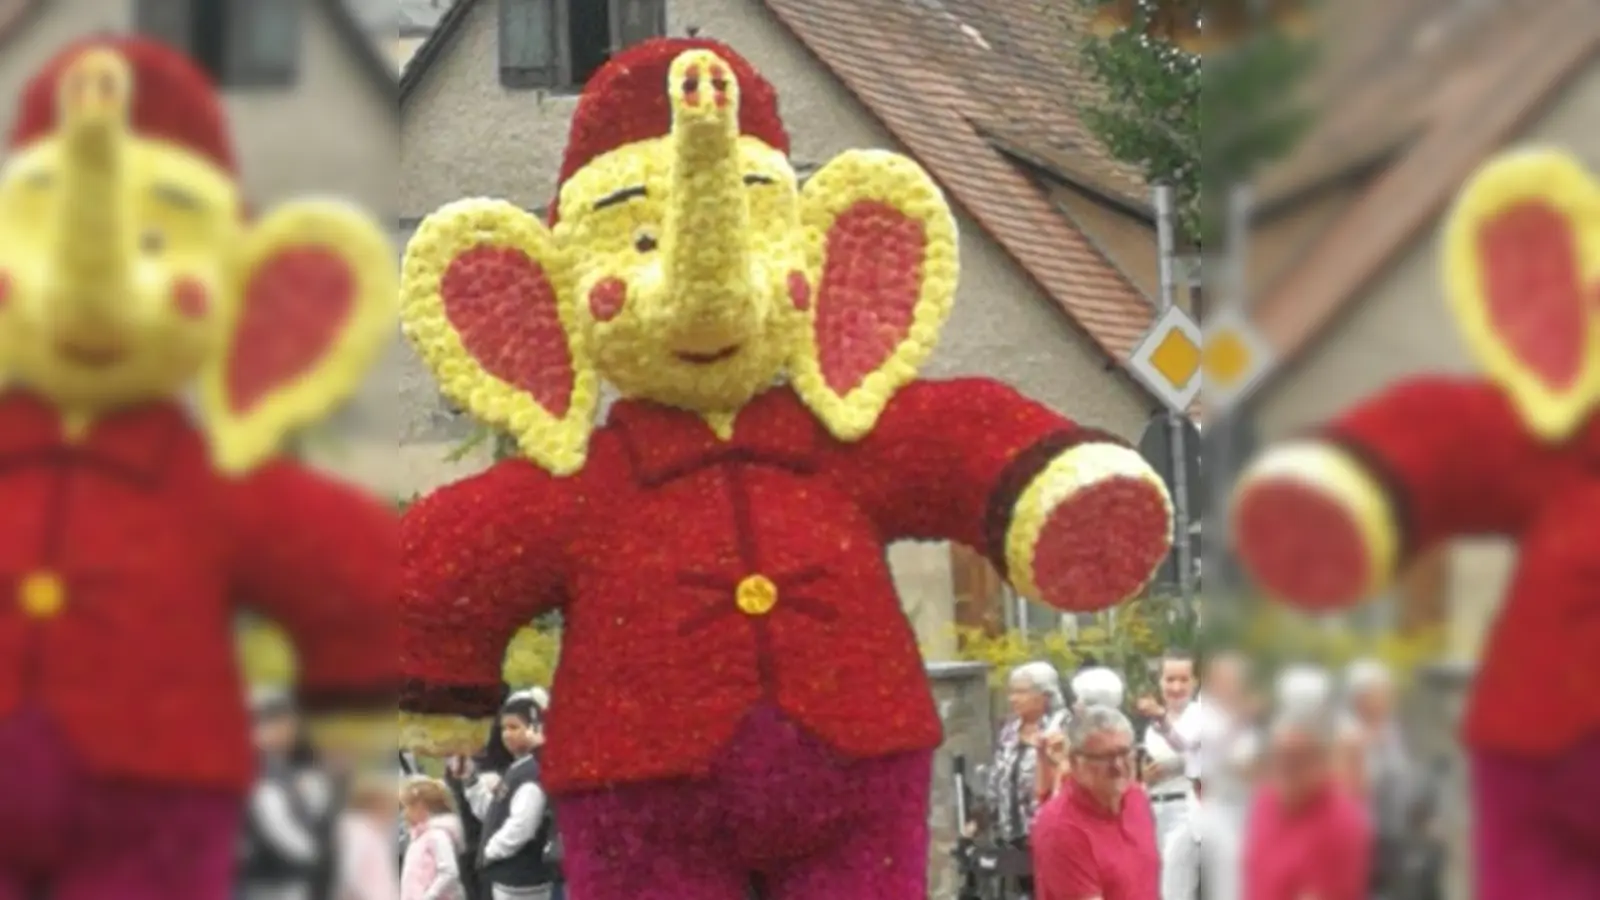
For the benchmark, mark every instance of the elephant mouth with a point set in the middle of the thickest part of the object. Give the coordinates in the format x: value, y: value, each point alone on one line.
x: 90, y: 355
x: 706, y: 359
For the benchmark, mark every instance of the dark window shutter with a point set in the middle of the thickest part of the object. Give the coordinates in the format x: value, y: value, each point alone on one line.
x: 528, y: 55
x: 264, y: 38
x: 638, y: 20
x: 168, y: 21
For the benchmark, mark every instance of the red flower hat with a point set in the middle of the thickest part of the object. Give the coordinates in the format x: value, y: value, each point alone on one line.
x: 626, y: 101
x: 173, y: 100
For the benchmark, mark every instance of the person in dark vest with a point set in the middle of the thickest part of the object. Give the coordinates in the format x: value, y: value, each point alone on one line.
x: 285, y: 849
x: 473, y: 781
x: 517, y: 825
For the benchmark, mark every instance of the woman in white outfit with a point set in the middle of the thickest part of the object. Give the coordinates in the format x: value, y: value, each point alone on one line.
x: 1170, y: 739
x: 1180, y: 856
x: 1229, y: 746
x: 1174, y: 723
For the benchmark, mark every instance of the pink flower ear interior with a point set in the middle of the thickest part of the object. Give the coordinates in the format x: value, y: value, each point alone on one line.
x: 504, y: 308
x: 872, y: 282
x: 295, y: 306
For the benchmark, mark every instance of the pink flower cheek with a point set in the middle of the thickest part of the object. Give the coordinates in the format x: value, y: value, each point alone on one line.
x: 607, y: 298
x: 799, y: 291
x: 191, y: 299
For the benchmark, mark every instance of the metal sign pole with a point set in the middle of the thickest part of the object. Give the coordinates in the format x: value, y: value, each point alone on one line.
x: 1175, y: 417
x: 1220, y: 458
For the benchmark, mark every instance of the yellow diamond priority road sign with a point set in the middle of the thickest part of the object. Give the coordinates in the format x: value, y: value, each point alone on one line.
x: 1234, y: 360
x: 1168, y: 359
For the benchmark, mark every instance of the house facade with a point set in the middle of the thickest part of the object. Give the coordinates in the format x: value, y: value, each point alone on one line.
x: 311, y: 99
x: 311, y: 102
x: 485, y: 107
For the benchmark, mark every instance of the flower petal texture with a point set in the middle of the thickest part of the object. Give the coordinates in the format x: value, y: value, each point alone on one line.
x: 487, y: 300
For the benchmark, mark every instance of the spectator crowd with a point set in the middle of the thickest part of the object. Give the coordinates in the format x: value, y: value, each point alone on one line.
x: 1204, y: 790
x: 483, y: 831
x: 1209, y: 789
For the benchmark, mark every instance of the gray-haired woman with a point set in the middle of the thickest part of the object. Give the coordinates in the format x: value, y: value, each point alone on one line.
x: 1376, y: 752
x: 1021, y: 777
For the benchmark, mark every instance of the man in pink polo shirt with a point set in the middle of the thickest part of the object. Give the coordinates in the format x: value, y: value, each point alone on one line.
x: 1096, y: 840
x: 1308, y: 838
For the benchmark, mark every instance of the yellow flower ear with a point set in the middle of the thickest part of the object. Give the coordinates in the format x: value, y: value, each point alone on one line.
x: 312, y: 304
x: 883, y: 253
x: 1522, y: 269
x: 486, y: 298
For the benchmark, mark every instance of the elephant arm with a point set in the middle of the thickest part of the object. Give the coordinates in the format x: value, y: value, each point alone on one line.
x: 1327, y: 522
x: 318, y: 557
x: 479, y: 560
x: 1067, y: 513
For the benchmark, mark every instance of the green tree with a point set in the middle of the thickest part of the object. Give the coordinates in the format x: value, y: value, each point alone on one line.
x: 1252, y: 108
x: 1199, y: 125
x: 1147, y: 109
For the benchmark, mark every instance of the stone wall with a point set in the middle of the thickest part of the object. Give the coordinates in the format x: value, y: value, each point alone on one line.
x: 961, y: 692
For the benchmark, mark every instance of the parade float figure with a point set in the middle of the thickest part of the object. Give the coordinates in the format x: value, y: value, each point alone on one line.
x: 739, y: 691
x: 1323, y: 523
x: 128, y: 536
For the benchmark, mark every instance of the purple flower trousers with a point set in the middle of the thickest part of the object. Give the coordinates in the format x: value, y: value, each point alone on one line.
x: 66, y: 836
x: 1537, y: 826
x: 779, y: 803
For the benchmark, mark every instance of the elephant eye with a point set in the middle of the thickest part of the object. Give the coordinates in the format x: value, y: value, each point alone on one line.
x: 152, y: 242
x: 758, y: 178
x: 644, y: 242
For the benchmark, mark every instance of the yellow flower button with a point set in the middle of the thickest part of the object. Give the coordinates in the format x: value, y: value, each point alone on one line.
x: 42, y: 595
x: 756, y: 595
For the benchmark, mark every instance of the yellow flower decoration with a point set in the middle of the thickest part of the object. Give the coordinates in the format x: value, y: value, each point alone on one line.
x: 487, y: 300
x: 1521, y: 259
x: 689, y: 269
x: 871, y: 217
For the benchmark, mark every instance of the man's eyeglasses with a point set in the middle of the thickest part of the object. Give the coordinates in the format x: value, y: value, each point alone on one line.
x: 1108, y: 757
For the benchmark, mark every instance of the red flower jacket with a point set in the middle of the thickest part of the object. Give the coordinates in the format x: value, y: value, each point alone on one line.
x: 1477, y: 470
x: 122, y: 556
x: 700, y: 578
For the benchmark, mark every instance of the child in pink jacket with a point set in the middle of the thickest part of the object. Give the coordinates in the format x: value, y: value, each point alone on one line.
x: 431, y: 869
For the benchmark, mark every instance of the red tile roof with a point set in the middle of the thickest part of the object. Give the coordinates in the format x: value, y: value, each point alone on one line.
x: 1448, y: 91
x: 14, y: 14
x: 938, y: 73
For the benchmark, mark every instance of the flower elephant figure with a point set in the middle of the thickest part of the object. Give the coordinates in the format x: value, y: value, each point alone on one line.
x: 129, y: 534
x: 739, y: 693
x: 1323, y: 523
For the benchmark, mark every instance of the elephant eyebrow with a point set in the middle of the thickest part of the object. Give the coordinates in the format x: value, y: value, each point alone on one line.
x: 759, y: 179
x: 616, y: 197
x: 177, y: 196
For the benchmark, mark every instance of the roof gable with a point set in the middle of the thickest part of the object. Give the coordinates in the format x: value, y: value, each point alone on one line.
x: 16, y: 14
x: 1421, y: 143
x: 433, y: 47
x: 356, y: 36
x: 936, y: 81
